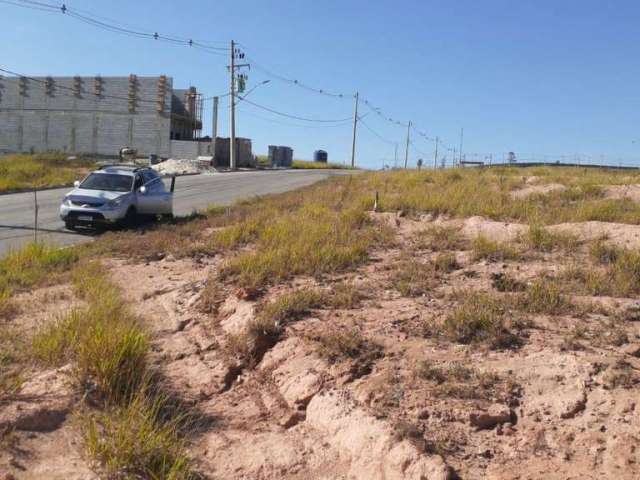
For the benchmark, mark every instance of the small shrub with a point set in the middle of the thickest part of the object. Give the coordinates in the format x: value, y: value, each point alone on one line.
x: 413, y: 278
x: 440, y: 238
x: 456, y: 380
x: 573, y: 339
x: 335, y: 345
x: 211, y: 296
x: 480, y: 318
x: 541, y: 239
x: 543, y: 296
x: 503, y: 282
x: 446, y: 263
x: 604, y: 254
x: 484, y: 248
x: 345, y: 295
x: 621, y: 375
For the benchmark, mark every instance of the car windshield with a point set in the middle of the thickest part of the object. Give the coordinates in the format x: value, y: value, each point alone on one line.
x: 108, y: 181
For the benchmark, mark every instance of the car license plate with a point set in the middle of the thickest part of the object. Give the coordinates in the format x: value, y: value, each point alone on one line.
x: 85, y: 218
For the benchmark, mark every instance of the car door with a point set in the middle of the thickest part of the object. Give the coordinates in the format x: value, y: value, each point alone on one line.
x: 144, y: 199
x: 162, y: 199
x: 157, y: 200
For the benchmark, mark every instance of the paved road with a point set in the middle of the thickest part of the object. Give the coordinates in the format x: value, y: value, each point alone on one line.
x: 192, y: 193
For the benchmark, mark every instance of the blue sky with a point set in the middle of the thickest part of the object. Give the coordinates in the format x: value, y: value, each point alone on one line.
x: 538, y: 77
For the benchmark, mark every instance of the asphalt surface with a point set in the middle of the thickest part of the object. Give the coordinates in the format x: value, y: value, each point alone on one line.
x: 191, y: 193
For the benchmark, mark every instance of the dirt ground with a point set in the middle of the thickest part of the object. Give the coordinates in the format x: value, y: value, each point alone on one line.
x: 547, y: 411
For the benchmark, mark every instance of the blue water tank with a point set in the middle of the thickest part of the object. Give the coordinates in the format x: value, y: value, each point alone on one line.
x: 320, y: 156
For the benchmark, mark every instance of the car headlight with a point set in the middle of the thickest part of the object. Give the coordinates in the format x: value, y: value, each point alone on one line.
x: 115, y: 203
x: 66, y: 202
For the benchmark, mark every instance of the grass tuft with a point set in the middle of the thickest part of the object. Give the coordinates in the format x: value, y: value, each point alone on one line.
x: 344, y: 344
x: 493, y: 251
x: 136, y: 440
x: 265, y: 330
x: 413, y: 278
x: 543, y: 296
x: 541, y: 239
x: 480, y: 318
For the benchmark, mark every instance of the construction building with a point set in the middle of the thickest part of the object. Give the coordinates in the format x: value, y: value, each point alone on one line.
x: 99, y: 115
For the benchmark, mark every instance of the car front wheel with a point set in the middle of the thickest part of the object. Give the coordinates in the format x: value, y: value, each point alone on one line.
x: 69, y: 225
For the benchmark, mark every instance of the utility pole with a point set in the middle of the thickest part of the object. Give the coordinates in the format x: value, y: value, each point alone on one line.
x: 406, y: 150
x: 232, y: 93
x: 214, y: 127
x: 395, y: 157
x: 235, y: 53
x: 355, y: 127
x: 460, y: 152
x: 435, y: 156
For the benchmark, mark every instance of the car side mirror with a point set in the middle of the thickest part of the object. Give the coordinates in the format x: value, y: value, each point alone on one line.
x: 76, y: 183
x: 143, y: 189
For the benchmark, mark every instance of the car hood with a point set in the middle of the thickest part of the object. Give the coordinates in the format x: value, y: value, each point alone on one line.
x: 81, y: 195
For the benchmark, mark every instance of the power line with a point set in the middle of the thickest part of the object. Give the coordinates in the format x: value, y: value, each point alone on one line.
x: 300, y: 125
x: 295, y: 82
x: 295, y: 117
x: 374, y: 132
x: 112, y: 25
x: 32, y: 7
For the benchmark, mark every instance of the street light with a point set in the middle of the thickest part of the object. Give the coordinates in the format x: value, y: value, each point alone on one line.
x: 252, y: 89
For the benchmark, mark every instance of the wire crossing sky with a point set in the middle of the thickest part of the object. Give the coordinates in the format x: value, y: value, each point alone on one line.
x: 545, y: 79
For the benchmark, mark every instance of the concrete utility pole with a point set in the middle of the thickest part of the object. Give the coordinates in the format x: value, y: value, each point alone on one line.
x: 435, y: 156
x: 232, y: 93
x: 406, y: 150
x: 355, y: 127
x: 214, y: 127
x: 460, y: 152
x: 395, y: 157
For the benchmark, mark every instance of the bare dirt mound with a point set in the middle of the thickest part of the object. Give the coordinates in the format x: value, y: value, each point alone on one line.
x: 533, y: 189
x: 623, y: 192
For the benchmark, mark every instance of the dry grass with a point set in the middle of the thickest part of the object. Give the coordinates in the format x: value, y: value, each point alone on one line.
x: 616, y: 274
x: 543, y: 296
x: 19, y: 172
x: 345, y: 295
x: 264, y: 331
x: 132, y: 435
x: 104, y: 341
x: 541, y: 239
x: 336, y: 345
x: 479, y: 318
x: 446, y: 263
x: 413, y: 278
x: 309, y: 165
x: 455, y: 380
x: 440, y: 238
x: 493, y: 251
x: 137, y: 440
x: 12, y: 359
x: 32, y: 265
x: 504, y: 282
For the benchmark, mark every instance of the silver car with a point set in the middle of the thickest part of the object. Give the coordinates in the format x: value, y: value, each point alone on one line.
x: 117, y: 194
